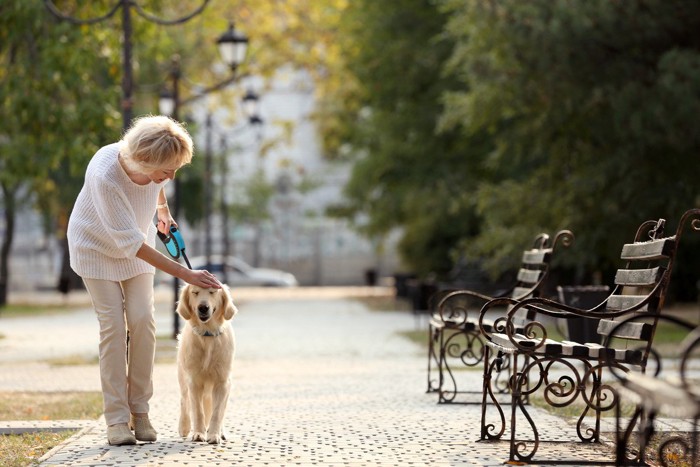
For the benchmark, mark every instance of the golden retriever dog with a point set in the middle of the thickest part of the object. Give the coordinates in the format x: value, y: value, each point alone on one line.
x: 204, y: 360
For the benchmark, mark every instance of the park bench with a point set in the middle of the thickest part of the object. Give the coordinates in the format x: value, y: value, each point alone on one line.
x: 565, y: 371
x: 671, y: 390
x: 453, y: 330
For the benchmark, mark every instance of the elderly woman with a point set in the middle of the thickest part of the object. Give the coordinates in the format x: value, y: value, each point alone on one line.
x: 111, y: 238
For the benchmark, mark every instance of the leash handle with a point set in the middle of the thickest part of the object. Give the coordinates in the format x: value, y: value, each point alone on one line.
x: 174, y: 244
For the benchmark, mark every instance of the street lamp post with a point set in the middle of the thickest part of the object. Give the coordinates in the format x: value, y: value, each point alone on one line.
x: 127, y: 75
x: 250, y: 109
x: 232, y: 48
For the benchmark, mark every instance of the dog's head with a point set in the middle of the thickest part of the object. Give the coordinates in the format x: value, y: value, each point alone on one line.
x: 206, y: 305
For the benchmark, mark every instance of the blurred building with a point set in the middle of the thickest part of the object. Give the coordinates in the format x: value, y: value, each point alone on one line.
x: 298, y: 237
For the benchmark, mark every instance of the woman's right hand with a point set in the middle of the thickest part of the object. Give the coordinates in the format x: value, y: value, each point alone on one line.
x: 202, y: 278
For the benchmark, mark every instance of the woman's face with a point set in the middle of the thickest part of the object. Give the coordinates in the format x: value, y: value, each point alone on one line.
x: 161, y: 175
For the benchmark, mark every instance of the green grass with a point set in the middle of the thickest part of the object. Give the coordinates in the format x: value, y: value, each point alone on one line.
x: 166, y: 352
x: 667, y: 333
x: 419, y: 337
x: 72, y: 360
x: 15, y: 311
x: 575, y: 409
x: 26, y: 449
x: 674, y: 457
x: 50, y: 405
x: 384, y: 303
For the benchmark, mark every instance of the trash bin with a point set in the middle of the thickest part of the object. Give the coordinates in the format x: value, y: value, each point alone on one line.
x: 583, y: 330
x: 401, y: 284
x: 371, y: 277
x: 420, y: 292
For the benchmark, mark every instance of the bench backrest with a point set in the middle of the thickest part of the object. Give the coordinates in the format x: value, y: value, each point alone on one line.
x: 454, y: 305
x: 641, y: 286
x: 534, y: 269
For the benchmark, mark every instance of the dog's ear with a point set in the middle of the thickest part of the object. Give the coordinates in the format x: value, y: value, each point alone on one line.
x: 183, y: 305
x: 229, y: 308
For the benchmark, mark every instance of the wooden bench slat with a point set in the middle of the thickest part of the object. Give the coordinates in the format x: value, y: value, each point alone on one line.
x: 522, y: 316
x: 555, y: 348
x: 637, y: 331
x: 502, y: 340
x: 652, y: 250
x: 519, y: 292
x: 577, y: 349
x: 529, y: 276
x: 533, y: 257
x: 665, y: 394
x: 623, y: 302
x: 639, y: 277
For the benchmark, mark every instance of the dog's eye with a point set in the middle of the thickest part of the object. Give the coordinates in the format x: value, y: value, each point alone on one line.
x: 212, y: 292
x: 195, y: 292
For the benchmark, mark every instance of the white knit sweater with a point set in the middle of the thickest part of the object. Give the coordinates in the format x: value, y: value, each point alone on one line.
x: 111, y: 219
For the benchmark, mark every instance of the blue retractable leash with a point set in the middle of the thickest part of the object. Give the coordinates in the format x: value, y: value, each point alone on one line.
x: 175, y: 244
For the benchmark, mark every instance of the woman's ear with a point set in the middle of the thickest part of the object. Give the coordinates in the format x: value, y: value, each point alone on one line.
x: 229, y: 308
x: 183, y: 307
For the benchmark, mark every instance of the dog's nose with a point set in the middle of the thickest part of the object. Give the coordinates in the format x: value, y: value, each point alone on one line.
x: 203, y: 308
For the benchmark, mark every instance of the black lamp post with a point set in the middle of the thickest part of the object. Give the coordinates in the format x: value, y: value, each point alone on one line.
x: 250, y: 109
x: 233, y: 46
x: 126, y: 6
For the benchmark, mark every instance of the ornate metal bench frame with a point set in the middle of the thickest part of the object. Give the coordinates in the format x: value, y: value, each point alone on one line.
x: 659, y: 392
x: 636, y: 291
x: 453, y: 331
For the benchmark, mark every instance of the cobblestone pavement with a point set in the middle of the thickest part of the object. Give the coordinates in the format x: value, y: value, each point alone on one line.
x: 316, y: 382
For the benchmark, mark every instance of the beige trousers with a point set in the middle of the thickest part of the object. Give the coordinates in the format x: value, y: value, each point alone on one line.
x: 127, y: 386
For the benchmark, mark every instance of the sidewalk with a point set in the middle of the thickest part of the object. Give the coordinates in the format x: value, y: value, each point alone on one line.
x: 316, y: 382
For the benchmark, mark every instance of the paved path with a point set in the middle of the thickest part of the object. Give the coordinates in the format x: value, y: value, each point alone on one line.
x: 317, y: 382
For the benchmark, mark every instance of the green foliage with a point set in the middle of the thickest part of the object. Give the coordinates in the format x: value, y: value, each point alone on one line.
x: 47, y: 94
x: 405, y: 173
x: 56, y: 107
x: 253, y: 204
x: 550, y: 114
x: 592, y: 101
x: 191, y: 180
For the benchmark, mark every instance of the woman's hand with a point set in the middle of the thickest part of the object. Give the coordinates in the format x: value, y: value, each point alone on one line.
x: 202, y: 278
x: 165, y: 220
x: 198, y: 277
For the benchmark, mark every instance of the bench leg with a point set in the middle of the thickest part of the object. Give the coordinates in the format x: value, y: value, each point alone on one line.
x: 695, y: 449
x: 459, y: 349
x: 434, y: 337
x: 521, y: 388
x: 488, y: 431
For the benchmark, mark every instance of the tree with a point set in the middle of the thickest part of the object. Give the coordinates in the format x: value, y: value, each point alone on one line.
x: 592, y: 105
x: 406, y: 175
x: 47, y: 102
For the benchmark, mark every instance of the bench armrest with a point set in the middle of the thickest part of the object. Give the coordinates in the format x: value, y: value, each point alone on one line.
x: 455, y: 307
x: 541, y: 306
x: 664, y: 390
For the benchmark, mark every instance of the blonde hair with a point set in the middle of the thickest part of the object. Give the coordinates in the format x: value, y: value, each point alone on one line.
x: 155, y: 142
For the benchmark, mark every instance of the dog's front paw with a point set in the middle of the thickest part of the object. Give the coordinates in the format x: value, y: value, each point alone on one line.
x: 224, y: 435
x: 214, y: 438
x: 197, y: 436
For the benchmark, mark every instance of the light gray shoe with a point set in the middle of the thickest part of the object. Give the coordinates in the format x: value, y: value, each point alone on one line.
x: 120, y: 435
x: 143, y: 429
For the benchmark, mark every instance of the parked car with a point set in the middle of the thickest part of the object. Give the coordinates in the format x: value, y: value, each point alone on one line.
x: 241, y: 274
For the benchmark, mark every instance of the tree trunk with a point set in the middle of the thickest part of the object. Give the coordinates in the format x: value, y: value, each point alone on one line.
x: 8, y: 196
x: 68, y: 280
